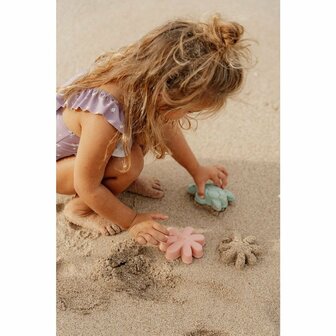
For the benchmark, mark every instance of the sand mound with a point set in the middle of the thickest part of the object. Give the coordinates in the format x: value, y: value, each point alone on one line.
x: 131, y: 269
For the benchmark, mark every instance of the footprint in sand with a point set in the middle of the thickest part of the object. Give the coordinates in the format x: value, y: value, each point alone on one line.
x: 131, y: 268
x: 238, y: 251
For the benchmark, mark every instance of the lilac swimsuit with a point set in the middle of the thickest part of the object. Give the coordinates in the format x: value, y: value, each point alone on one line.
x: 92, y: 100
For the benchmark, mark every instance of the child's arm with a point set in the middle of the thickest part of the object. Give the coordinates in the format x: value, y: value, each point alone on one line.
x: 183, y: 154
x: 89, y: 170
x: 180, y: 149
x: 90, y: 164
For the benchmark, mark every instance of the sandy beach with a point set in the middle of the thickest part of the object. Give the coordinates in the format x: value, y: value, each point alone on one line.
x: 113, y: 286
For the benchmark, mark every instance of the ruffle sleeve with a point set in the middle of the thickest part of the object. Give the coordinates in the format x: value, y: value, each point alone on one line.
x: 95, y: 101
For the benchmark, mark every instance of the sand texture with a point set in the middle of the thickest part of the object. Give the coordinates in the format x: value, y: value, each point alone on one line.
x: 112, y: 285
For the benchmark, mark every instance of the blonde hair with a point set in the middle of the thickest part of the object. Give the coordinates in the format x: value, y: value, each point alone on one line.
x: 180, y: 64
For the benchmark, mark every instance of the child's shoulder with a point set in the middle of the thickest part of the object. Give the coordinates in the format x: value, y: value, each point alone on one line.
x: 113, y: 89
x: 105, y: 104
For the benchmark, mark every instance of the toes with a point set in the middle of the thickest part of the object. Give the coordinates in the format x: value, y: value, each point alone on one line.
x: 110, y: 230
x: 141, y: 240
x: 158, y: 194
x: 149, y: 187
x: 116, y: 228
x: 103, y: 230
x: 157, y: 183
x: 157, y: 187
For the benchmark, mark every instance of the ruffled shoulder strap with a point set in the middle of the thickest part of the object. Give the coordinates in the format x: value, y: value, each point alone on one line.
x: 95, y: 101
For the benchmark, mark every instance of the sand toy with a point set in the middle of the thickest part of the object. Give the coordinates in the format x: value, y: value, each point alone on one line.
x: 216, y: 198
x: 183, y: 243
x: 238, y: 251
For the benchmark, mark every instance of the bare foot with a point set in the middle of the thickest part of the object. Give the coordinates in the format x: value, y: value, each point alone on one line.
x: 147, y: 186
x: 89, y: 219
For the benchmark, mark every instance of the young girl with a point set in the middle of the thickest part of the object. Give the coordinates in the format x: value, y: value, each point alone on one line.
x: 133, y: 101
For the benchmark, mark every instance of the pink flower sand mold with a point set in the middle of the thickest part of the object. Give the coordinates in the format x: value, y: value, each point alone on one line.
x: 184, y: 244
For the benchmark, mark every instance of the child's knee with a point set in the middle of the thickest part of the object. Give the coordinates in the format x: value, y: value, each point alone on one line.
x: 114, y: 168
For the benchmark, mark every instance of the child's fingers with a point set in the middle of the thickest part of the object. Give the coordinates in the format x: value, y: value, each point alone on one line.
x: 222, y: 169
x: 200, y: 189
x: 150, y: 239
x: 223, y: 178
x: 156, y: 216
x: 141, y: 240
x: 158, y: 235
x: 160, y: 228
x: 217, y: 181
x: 224, y: 184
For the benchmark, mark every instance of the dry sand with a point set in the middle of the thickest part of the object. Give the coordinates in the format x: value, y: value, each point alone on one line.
x: 112, y: 286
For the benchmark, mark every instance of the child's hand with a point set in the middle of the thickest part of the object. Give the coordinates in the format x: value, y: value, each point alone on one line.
x: 217, y: 173
x: 145, y: 229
